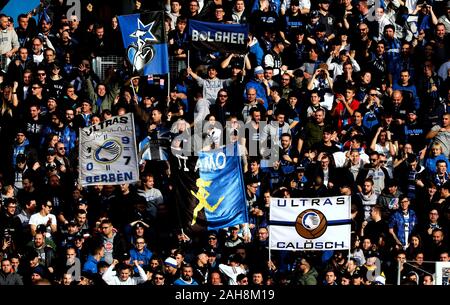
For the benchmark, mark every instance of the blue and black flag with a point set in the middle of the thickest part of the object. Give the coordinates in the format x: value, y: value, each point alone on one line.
x: 218, y: 37
x: 145, y: 41
x: 209, y: 189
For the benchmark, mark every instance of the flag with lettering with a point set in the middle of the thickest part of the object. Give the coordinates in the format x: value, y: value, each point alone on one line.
x: 209, y: 189
x: 145, y: 41
x: 230, y: 38
x: 310, y: 223
x: 107, y: 152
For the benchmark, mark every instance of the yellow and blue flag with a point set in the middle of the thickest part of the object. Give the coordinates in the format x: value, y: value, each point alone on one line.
x: 145, y: 41
x: 210, y: 189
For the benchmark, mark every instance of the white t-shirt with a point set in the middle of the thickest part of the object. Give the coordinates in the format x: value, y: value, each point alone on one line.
x: 37, y: 219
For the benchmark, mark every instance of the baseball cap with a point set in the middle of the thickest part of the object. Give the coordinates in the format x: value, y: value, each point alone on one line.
x: 125, y: 256
x: 38, y: 270
x: 357, y: 274
x: 140, y: 224
x: 72, y: 223
x: 51, y: 151
x: 171, y: 262
x: 295, y: 2
x: 259, y: 70
x: 314, y: 14
x: 236, y: 65
x: 380, y: 280
x: 212, y: 233
x: 41, y: 228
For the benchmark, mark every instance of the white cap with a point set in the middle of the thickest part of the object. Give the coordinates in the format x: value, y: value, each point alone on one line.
x: 380, y: 279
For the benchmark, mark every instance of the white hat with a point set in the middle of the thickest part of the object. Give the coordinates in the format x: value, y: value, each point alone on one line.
x: 171, y: 262
x: 259, y: 70
x: 380, y: 280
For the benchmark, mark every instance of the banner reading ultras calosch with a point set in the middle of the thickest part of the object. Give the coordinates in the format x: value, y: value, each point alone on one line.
x: 108, y: 152
x: 310, y: 223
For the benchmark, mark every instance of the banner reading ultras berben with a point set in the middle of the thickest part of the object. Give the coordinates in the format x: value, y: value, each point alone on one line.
x: 310, y: 223
x: 108, y: 152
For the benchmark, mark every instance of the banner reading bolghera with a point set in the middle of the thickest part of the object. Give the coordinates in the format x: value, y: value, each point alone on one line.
x: 310, y: 223
x: 108, y: 152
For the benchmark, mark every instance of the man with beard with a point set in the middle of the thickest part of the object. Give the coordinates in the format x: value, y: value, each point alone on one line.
x: 368, y: 197
x: 66, y: 135
x: 34, y: 125
x: 186, y: 276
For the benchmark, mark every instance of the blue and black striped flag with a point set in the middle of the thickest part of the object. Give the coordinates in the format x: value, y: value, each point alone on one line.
x: 145, y: 41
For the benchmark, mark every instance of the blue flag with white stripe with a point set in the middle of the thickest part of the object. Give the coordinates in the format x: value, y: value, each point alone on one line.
x: 145, y: 41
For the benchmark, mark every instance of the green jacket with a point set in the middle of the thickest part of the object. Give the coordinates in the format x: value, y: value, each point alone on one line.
x: 112, y: 90
x: 309, y: 278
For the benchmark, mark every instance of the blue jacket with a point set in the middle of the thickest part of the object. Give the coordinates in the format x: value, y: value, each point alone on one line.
x: 19, y: 149
x: 430, y: 163
x: 397, y: 222
x: 181, y: 282
x: 145, y: 256
x: 90, y: 266
x: 258, y: 52
x: 261, y: 91
x: 66, y: 135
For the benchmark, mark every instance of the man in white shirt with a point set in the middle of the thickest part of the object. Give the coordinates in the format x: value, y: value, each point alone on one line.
x: 43, y: 217
x: 233, y: 269
x: 123, y: 276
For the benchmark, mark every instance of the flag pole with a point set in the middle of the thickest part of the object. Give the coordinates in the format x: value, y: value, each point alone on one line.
x: 243, y: 67
x: 132, y: 86
x: 270, y: 255
x: 168, y: 84
x: 188, y: 56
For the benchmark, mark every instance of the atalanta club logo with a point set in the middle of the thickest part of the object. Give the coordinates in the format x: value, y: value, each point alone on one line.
x: 311, y: 224
x: 141, y: 52
x: 108, y: 152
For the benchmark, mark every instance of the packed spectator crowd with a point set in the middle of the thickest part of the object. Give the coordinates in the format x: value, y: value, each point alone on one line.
x: 356, y: 97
